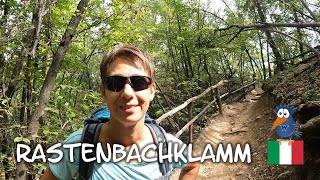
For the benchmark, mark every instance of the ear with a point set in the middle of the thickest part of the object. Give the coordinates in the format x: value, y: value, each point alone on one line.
x: 153, y: 91
x: 103, y: 92
x: 151, y: 97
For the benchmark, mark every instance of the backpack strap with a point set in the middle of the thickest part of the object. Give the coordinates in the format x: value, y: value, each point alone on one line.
x: 90, y: 135
x: 158, y: 135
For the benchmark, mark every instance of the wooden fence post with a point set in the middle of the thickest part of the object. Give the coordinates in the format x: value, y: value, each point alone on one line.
x: 230, y: 92
x: 244, y: 91
x: 218, y: 100
x: 191, y: 126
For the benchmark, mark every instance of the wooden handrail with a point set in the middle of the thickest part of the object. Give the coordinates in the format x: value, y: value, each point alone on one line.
x: 173, y: 111
x: 217, y: 99
x: 185, y: 127
x: 244, y: 87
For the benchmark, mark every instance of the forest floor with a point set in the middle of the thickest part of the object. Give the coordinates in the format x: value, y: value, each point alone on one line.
x: 245, y: 121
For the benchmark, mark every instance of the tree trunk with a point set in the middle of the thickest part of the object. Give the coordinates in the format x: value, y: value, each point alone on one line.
x: 272, y: 43
x: 3, y: 21
x: 207, y: 69
x: 184, y: 63
x: 198, y: 69
x: 230, y: 74
x: 242, y: 75
x: 222, y: 66
x: 47, y: 86
x: 173, y: 62
x: 262, y: 58
x: 252, y: 66
x: 189, y: 61
x: 268, y: 59
x: 300, y: 36
x: 15, y: 75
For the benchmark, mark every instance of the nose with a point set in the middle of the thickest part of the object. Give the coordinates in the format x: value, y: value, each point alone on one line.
x: 127, y: 91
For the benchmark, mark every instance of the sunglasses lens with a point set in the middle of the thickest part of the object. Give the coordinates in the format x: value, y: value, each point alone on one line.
x: 140, y: 83
x: 116, y: 83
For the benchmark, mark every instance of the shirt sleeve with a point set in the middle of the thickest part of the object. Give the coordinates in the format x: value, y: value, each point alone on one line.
x: 65, y: 169
x: 175, y: 141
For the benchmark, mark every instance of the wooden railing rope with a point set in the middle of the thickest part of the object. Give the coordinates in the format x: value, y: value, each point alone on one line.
x: 218, y: 97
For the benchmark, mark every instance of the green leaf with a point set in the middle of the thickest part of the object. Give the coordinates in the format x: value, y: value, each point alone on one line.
x: 35, y: 136
x: 4, y: 101
x: 3, y: 156
x: 54, y: 110
x: 63, y: 86
x: 46, y: 132
x: 26, y: 140
x: 85, y: 107
x: 72, y: 115
x: 18, y: 139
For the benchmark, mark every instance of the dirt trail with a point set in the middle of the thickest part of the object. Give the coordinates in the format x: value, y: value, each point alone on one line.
x: 243, y: 122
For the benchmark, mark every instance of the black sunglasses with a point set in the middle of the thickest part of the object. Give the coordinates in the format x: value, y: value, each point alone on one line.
x: 116, y: 83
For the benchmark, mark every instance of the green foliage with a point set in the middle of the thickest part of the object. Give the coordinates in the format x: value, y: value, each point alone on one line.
x: 21, y: 139
x: 182, y: 37
x: 297, y: 84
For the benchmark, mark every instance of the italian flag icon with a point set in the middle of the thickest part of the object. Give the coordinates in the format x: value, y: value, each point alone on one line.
x: 287, y: 152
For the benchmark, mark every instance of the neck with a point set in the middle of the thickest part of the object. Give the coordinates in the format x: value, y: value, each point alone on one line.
x: 117, y: 133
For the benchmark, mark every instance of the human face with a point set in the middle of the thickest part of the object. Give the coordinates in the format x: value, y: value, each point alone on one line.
x: 127, y: 107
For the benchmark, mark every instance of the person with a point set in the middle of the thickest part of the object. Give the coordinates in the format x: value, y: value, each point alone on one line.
x: 127, y: 88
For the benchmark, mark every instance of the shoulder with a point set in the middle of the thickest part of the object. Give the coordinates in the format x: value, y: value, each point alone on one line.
x: 66, y: 168
x: 173, y: 139
x: 74, y: 137
x: 179, y: 163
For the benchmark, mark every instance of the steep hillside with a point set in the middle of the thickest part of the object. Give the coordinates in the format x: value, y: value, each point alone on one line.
x: 300, y: 86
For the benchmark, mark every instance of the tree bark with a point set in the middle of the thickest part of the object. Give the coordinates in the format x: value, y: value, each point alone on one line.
x: 228, y: 66
x: 252, y: 66
x: 173, y: 62
x: 47, y: 86
x: 15, y: 75
x: 268, y: 59
x: 205, y: 65
x: 184, y: 63
x: 299, y: 33
x: 272, y: 43
x: 262, y: 58
x: 189, y: 61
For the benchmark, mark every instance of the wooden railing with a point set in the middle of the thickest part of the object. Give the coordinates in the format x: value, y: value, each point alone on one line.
x: 189, y: 103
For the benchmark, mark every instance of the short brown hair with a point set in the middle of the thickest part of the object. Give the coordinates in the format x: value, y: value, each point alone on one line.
x: 138, y: 56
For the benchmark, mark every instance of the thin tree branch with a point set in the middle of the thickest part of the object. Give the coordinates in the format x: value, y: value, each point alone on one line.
x: 268, y: 25
x: 308, y: 9
x: 310, y: 47
x: 236, y: 35
x: 214, y: 15
x: 290, y: 5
